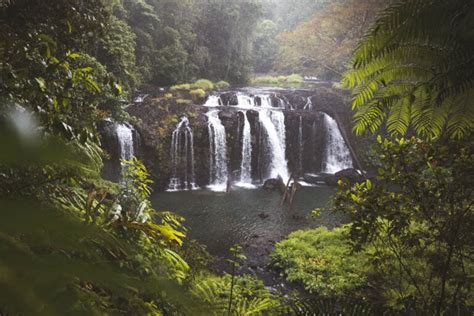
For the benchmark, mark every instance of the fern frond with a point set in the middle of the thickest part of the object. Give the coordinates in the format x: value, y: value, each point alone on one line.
x: 415, y: 45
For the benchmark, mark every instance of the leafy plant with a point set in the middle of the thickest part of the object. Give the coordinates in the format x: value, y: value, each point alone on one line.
x: 249, y: 295
x: 198, y: 93
x: 203, y: 84
x: 322, y: 261
x: 222, y: 84
x: 416, y: 224
x: 414, y: 68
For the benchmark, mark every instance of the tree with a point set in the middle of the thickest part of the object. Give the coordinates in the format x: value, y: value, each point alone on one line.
x: 417, y: 221
x: 323, y: 45
x: 226, y: 29
x: 415, y: 69
x: 265, y: 46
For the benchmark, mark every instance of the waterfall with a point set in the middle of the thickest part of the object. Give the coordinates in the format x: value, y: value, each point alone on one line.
x: 309, y: 104
x: 182, y: 154
x: 265, y: 100
x: 246, y: 164
x: 125, y: 138
x: 213, y: 101
x: 273, y: 122
x: 245, y: 101
x: 217, y: 152
x: 300, y: 145
x: 337, y: 155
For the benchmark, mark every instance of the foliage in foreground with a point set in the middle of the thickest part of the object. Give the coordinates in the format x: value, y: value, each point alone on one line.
x: 322, y: 261
x: 415, y: 69
x: 66, y: 248
x: 417, y: 224
x: 249, y: 294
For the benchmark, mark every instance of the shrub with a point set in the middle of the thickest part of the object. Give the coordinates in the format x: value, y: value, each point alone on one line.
x: 204, y: 84
x: 265, y: 79
x: 321, y: 260
x: 222, y: 84
x: 250, y: 297
x: 200, y: 93
x: 168, y: 95
x: 184, y: 86
x: 295, y: 78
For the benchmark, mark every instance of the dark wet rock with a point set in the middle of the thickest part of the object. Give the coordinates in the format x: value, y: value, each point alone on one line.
x: 298, y: 217
x: 263, y: 216
x: 274, y: 184
x: 352, y: 175
x: 228, y: 115
x: 229, y: 98
x: 314, y: 178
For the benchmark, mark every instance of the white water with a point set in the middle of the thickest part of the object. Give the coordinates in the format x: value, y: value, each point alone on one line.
x: 213, y: 101
x: 266, y: 100
x: 309, y: 104
x: 217, y: 152
x: 300, y: 143
x: 246, y: 164
x: 273, y: 123
x: 245, y: 101
x: 282, y: 103
x: 125, y: 138
x: 337, y: 156
x: 182, y: 154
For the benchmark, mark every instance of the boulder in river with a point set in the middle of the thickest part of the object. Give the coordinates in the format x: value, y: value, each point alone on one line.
x: 274, y: 184
x: 352, y: 175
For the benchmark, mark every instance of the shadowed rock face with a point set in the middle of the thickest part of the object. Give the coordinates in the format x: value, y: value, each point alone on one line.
x: 303, y: 113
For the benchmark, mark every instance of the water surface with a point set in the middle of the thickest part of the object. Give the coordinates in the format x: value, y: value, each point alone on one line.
x: 251, y: 218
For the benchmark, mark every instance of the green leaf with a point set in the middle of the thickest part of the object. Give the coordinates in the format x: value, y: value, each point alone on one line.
x: 368, y: 183
x: 41, y: 83
x: 355, y: 198
x: 73, y: 55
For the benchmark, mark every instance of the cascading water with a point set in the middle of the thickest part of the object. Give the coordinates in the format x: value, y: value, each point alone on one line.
x: 217, y: 152
x: 213, y: 101
x: 245, y: 101
x: 300, y: 143
x: 246, y: 164
x: 125, y: 138
x: 182, y: 155
x: 265, y: 100
x: 337, y: 156
x: 273, y: 122
x: 309, y: 104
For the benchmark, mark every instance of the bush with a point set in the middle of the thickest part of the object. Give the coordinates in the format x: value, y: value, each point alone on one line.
x: 321, y: 260
x: 222, y: 84
x: 295, y: 78
x: 250, y: 297
x: 204, y: 84
x: 200, y: 93
x: 184, y: 86
x: 265, y: 79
